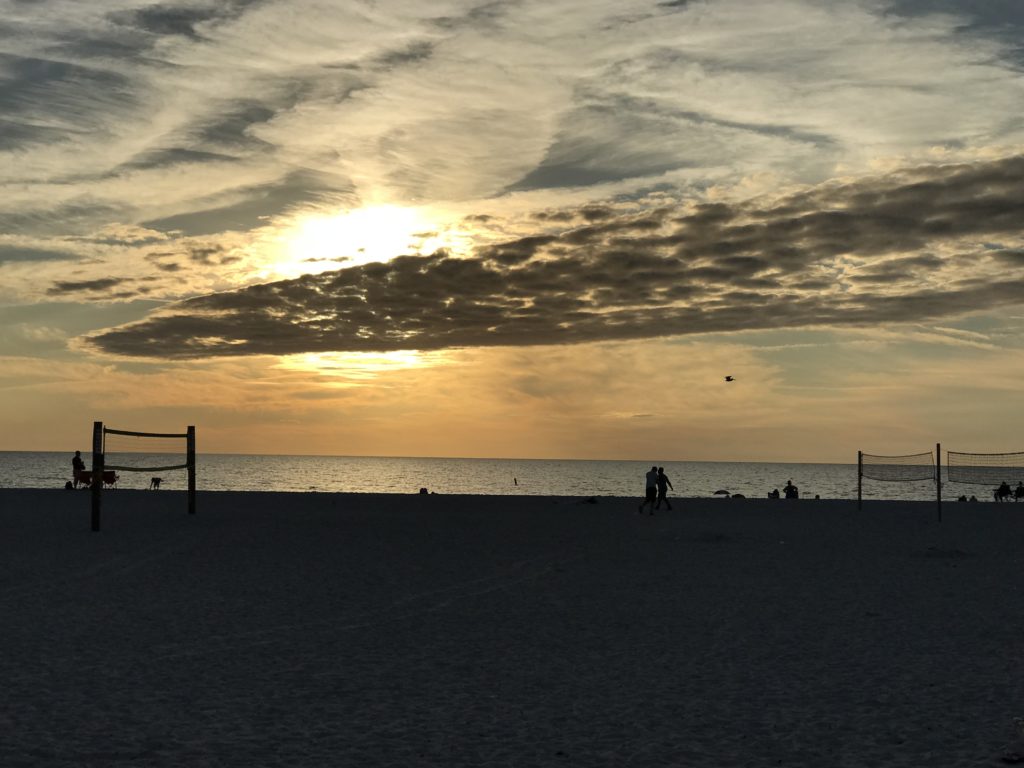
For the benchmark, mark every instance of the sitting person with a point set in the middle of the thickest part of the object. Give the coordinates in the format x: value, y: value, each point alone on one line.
x: 791, y: 490
x: 1018, y: 492
x: 774, y: 494
x: 1003, y: 492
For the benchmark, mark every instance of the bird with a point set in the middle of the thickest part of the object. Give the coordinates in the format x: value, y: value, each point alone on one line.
x: 729, y: 378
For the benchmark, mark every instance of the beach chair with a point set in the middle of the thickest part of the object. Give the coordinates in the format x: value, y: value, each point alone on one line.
x: 110, y: 478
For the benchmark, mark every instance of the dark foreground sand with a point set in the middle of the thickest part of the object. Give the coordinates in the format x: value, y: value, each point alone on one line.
x: 354, y: 630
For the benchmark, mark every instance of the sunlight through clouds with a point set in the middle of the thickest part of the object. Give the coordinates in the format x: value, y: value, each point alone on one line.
x: 346, y: 369
x: 378, y: 233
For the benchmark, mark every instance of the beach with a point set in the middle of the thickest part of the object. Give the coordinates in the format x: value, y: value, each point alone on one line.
x: 291, y: 629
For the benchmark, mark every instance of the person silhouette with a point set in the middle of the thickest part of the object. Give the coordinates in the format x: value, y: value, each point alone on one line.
x: 791, y: 490
x: 651, y: 490
x: 1018, y: 492
x: 1003, y: 492
x: 663, y: 485
x: 77, y: 468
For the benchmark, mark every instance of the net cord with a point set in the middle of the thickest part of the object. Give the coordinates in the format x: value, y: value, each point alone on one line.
x: 908, y: 456
x: 930, y: 476
x: 107, y: 431
x: 984, y: 455
x: 145, y: 469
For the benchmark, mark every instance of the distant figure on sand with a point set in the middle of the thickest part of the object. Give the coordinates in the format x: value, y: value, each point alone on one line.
x: 774, y: 494
x: 77, y: 468
x: 650, y: 491
x: 663, y: 485
x: 791, y: 490
x: 1018, y: 492
x: 1003, y: 492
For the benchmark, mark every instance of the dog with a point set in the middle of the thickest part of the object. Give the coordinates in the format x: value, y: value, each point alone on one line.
x: 154, y: 483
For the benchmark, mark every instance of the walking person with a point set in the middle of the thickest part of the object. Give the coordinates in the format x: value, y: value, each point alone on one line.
x: 651, y: 491
x: 663, y: 485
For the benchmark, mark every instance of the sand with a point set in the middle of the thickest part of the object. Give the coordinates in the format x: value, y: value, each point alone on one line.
x: 360, y: 630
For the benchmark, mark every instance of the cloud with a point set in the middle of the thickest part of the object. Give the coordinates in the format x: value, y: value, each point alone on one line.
x: 619, y: 137
x: 244, y: 209
x: 79, y: 286
x: 997, y: 15
x: 159, y: 158
x: 9, y: 253
x: 182, y: 113
x: 896, y: 248
x: 166, y: 19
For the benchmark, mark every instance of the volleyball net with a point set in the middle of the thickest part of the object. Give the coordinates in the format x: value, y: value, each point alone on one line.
x: 128, y: 451
x: 984, y: 468
x: 913, y: 467
x: 133, y: 451
x: 897, y: 469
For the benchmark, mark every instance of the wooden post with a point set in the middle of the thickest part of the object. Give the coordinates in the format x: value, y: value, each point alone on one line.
x: 938, y: 479
x: 190, y: 459
x: 96, y: 485
x: 860, y: 475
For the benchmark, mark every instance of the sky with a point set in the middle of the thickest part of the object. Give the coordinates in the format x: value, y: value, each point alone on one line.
x: 530, y: 228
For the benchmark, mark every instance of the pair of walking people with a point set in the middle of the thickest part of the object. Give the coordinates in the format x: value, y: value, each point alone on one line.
x: 656, y: 491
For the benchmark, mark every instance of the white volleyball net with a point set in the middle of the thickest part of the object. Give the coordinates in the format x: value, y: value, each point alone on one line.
x: 897, y: 469
x: 984, y: 468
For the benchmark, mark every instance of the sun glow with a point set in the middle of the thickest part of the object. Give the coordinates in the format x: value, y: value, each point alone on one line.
x: 353, y: 369
x: 319, y: 243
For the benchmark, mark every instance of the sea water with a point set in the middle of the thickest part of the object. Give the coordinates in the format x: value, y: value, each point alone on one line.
x: 528, y: 477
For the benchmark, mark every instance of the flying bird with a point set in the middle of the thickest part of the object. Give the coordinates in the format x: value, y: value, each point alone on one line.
x: 729, y: 378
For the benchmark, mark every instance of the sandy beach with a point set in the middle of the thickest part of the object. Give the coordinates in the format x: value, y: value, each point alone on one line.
x: 276, y: 629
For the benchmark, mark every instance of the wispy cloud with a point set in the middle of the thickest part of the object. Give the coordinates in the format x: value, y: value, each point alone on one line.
x: 182, y: 113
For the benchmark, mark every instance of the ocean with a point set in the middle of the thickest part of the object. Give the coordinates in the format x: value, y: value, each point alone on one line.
x: 528, y: 477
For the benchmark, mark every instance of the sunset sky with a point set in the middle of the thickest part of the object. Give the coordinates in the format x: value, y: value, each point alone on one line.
x: 533, y: 228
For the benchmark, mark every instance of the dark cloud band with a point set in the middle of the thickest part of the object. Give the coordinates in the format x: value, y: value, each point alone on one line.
x: 924, y: 243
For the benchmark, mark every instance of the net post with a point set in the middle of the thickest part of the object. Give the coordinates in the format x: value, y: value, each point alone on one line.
x: 96, y: 484
x: 190, y: 459
x: 938, y: 479
x: 860, y: 476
